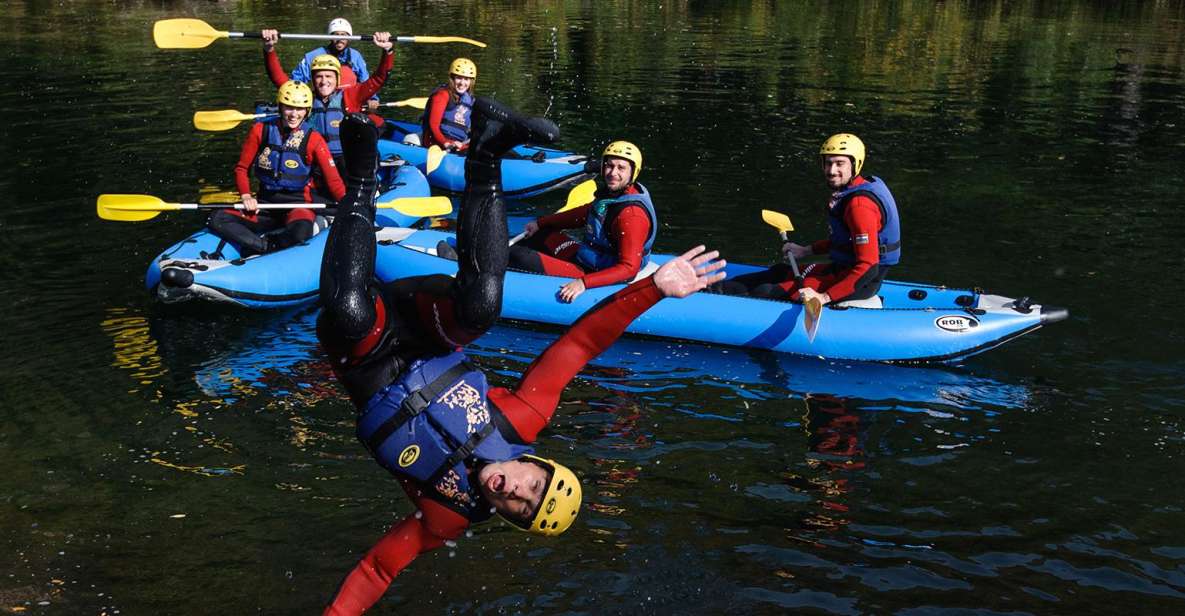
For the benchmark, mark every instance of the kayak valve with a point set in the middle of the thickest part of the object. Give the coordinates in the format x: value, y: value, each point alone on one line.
x: 176, y: 277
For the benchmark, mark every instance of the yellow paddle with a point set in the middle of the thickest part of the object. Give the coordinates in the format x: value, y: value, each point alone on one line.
x: 137, y: 208
x: 435, y: 157
x: 188, y: 33
x: 812, y: 314
x: 418, y: 102
x: 782, y: 223
x: 227, y: 119
x: 581, y: 194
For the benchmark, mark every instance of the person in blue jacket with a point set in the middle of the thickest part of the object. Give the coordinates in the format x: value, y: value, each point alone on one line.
x: 340, y: 48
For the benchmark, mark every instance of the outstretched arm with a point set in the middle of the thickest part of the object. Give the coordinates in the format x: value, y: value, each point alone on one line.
x: 419, y: 532
x: 529, y: 406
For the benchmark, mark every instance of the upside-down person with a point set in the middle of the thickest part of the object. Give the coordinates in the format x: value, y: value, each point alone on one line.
x: 619, y: 225
x: 460, y: 448
x: 865, y: 238
x: 331, y: 101
x: 282, y: 153
x: 447, y: 115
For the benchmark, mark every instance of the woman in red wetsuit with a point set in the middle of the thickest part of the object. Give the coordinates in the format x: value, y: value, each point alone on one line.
x: 447, y: 116
x: 460, y: 449
x: 620, y: 225
x: 284, y: 153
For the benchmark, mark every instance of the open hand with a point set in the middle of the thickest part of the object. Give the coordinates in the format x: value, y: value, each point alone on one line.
x: 571, y: 291
x: 689, y: 272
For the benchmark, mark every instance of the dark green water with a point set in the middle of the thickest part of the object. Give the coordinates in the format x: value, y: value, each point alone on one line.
x: 1035, y: 147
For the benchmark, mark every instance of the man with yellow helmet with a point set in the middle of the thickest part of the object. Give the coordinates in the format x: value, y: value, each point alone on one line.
x: 353, y: 64
x: 446, y: 117
x: 864, y: 242
x: 460, y: 448
x: 283, y: 153
x: 332, y: 101
x: 619, y: 224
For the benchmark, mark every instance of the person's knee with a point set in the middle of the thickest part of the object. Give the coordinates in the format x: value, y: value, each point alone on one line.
x: 350, y: 314
x: 300, y: 230
x: 220, y: 219
x: 525, y: 259
x: 770, y: 291
x: 480, y: 303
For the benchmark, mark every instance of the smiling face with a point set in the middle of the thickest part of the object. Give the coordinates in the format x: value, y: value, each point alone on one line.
x: 460, y: 84
x: 513, y: 487
x: 837, y: 170
x: 617, y: 173
x: 324, y: 83
x: 339, y: 44
x: 293, y: 116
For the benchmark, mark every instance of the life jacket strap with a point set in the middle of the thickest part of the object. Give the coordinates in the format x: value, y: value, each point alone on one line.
x: 416, y: 402
x: 461, y: 453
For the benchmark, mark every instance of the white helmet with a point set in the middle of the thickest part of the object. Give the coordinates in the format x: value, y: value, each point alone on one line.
x: 339, y: 24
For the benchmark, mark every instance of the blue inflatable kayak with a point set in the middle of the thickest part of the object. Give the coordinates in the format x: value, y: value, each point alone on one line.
x: 530, y: 171
x: 204, y: 267
x: 907, y: 322
x: 282, y: 357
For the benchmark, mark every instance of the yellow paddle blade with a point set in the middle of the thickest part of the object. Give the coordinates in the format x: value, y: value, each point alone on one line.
x: 582, y: 194
x: 421, y: 207
x: 777, y: 220
x: 131, y: 208
x: 219, y: 120
x: 418, y: 102
x: 184, y: 34
x: 435, y: 157
x: 811, y: 315
x: 444, y: 39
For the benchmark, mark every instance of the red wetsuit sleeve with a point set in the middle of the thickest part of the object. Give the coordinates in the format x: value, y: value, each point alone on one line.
x: 533, y: 401
x: 632, y: 228
x: 435, y: 110
x: 571, y: 219
x: 355, y: 98
x: 863, y: 218
x: 247, y: 158
x: 411, y: 537
x: 271, y: 62
x: 320, y: 156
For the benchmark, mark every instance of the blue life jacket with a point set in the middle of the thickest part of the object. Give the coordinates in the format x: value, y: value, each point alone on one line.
x: 326, y: 118
x: 280, y: 165
x: 457, y: 116
x: 597, y: 250
x: 432, y: 420
x: 889, y: 236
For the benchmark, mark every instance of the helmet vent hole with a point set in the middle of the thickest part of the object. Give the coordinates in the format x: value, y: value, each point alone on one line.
x: 554, y: 525
x: 560, y: 485
x: 569, y: 491
x: 543, y: 524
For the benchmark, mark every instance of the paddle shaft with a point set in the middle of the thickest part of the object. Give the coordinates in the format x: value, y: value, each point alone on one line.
x: 262, y: 206
x: 518, y: 238
x: 793, y: 261
x: 320, y: 37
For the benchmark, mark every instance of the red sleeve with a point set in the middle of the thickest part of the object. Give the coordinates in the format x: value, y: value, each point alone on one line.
x: 319, y: 155
x: 435, y: 112
x: 530, y: 405
x: 247, y: 158
x: 419, y: 532
x: 275, y: 72
x: 632, y: 227
x: 863, y: 218
x: 361, y: 92
x: 571, y: 219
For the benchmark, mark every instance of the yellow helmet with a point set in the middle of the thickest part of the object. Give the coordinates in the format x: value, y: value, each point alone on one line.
x: 560, y: 503
x: 628, y: 151
x: 845, y: 144
x: 295, y: 94
x: 463, y: 67
x: 326, y: 62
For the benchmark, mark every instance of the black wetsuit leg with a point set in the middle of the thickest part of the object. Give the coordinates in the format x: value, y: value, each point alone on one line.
x: 243, y: 233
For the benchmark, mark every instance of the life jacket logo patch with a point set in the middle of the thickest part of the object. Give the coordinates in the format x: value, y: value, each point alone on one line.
x: 956, y: 323
x: 291, y: 164
x: 409, y: 455
x: 335, y: 123
x: 264, y: 161
x: 465, y: 397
